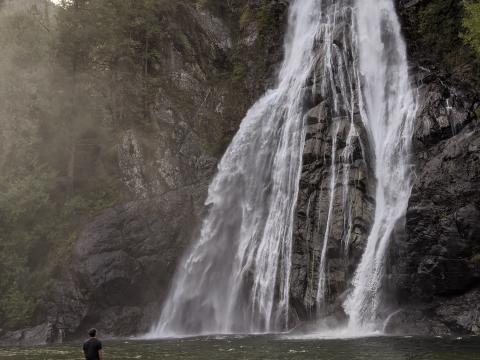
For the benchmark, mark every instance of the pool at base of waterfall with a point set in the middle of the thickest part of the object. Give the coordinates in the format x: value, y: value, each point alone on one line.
x: 269, y: 347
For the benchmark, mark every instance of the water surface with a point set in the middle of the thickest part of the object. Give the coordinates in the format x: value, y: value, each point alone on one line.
x: 268, y: 347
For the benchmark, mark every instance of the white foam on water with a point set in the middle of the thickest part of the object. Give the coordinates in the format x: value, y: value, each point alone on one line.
x: 332, y: 334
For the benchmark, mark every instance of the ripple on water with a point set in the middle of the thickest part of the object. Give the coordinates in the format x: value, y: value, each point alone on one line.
x: 270, y: 347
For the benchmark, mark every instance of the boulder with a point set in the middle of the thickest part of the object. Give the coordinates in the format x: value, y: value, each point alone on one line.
x: 122, y: 265
x: 34, y: 336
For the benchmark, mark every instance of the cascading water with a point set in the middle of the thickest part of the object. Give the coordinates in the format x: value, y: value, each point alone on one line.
x: 337, y: 86
x: 388, y: 108
x: 236, y: 277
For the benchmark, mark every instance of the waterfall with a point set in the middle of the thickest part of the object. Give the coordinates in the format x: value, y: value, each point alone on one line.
x: 236, y: 276
x: 388, y: 107
x: 337, y: 88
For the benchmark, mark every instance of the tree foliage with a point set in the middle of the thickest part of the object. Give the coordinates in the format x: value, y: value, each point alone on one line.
x: 471, y: 23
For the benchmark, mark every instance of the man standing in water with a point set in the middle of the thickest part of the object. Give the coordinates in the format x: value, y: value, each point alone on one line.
x: 92, y: 348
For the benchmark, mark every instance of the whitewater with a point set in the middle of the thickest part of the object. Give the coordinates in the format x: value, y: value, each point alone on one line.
x: 235, y: 278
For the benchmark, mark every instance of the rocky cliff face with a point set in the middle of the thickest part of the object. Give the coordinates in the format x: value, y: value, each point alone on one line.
x: 352, y: 204
x: 435, y: 266
x: 124, y: 260
x: 433, y: 276
x: 216, y: 62
x: 337, y: 188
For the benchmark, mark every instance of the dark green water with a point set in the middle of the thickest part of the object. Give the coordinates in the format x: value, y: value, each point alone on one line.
x: 268, y: 347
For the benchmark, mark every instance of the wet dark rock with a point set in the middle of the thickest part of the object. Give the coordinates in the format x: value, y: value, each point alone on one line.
x: 468, y: 223
x: 459, y: 315
x: 433, y: 272
x: 352, y: 199
x: 123, y: 263
x: 434, y: 267
x: 442, y: 218
x: 462, y: 314
x: 414, y: 322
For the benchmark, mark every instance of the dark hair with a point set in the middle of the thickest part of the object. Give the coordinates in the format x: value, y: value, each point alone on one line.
x: 92, y: 332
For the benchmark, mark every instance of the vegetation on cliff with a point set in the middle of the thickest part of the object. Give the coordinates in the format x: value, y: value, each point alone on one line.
x: 71, y: 77
x: 445, y: 34
x: 75, y: 77
x: 471, y: 23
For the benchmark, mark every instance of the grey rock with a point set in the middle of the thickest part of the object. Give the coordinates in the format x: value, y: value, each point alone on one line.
x: 433, y: 267
x: 122, y: 265
x: 353, y: 189
x: 446, y: 316
x: 38, y: 335
x: 414, y: 322
x: 461, y: 313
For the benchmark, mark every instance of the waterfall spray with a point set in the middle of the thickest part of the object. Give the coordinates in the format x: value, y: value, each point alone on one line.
x: 236, y: 277
x: 388, y: 107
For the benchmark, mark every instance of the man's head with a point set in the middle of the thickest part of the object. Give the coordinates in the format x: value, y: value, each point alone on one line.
x: 92, y: 332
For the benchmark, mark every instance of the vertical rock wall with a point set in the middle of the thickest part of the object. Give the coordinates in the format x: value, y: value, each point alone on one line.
x: 336, y: 198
